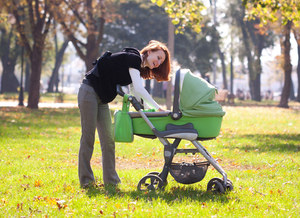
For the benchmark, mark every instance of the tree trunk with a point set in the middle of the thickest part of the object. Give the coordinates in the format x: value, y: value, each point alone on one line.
x: 298, y: 73
x: 292, y: 92
x: 94, y: 28
x: 157, y: 89
x: 148, y: 85
x: 36, y: 70
x: 249, y: 62
x: 287, y: 66
x: 253, y: 42
x: 221, y: 55
x: 27, y: 75
x: 255, y: 88
x: 171, y: 45
x: 258, y: 41
x: 58, y: 61
x: 9, y: 82
x: 297, y: 37
x: 246, y: 42
x: 256, y: 75
x: 231, y: 74
x: 40, y: 18
x: 9, y: 55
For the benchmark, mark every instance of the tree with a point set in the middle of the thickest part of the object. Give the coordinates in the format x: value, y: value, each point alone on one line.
x: 84, y: 25
x: 286, y: 14
x: 297, y: 37
x: 286, y: 64
x: 217, y: 41
x: 131, y: 28
x: 254, y: 39
x: 59, y: 54
x: 135, y: 26
x: 195, y: 50
x: 184, y: 13
x: 9, y: 53
x: 33, y: 19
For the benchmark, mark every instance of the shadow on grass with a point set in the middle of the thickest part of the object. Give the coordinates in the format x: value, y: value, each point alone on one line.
x: 41, y: 118
x: 171, y: 196
x: 271, y: 142
x: 23, y: 117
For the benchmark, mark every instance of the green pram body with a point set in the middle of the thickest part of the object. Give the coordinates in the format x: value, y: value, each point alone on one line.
x: 207, y: 127
x: 195, y: 103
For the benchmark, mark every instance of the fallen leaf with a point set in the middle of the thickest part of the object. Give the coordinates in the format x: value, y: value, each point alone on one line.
x: 20, y: 206
x: 61, y: 204
x: 38, y: 183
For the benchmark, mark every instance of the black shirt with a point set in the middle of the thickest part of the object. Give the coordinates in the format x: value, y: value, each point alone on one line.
x: 111, y: 70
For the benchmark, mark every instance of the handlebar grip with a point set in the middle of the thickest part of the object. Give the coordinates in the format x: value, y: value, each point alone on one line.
x: 135, y: 103
x: 120, y: 91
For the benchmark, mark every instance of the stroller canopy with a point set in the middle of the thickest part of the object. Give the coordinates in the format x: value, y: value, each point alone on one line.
x: 197, y: 97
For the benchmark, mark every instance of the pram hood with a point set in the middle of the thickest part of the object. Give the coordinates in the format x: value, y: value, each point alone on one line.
x: 197, y: 97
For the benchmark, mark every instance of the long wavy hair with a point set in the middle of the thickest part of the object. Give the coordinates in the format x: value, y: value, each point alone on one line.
x: 161, y: 73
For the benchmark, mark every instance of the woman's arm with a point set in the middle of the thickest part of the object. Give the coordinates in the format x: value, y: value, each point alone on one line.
x: 139, y: 89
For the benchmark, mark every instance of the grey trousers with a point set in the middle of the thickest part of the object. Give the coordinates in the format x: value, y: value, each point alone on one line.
x: 94, y: 114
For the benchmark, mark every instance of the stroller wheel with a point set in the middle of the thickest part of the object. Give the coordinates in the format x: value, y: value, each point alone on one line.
x: 227, y: 187
x: 150, y: 182
x: 216, y: 186
x: 165, y: 182
x: 153, y: 173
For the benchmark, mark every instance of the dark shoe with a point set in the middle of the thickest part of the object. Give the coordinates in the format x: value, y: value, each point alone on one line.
x: 88, y: 185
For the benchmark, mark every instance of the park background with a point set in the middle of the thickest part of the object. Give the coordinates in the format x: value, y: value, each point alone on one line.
x: 258, y: 145
x: 251, y: 50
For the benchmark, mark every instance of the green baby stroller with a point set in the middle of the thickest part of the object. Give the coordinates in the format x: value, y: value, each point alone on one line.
x: 195, y: 117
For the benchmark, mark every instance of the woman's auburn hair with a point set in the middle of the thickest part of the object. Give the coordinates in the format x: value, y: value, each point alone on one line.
x: 161, y: 73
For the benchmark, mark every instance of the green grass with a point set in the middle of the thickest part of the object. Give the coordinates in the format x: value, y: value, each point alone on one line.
x: 258, y: 147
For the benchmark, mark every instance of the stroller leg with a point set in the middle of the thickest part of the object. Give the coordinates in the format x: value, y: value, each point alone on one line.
x: 169, y: 152
x: 210, y: 159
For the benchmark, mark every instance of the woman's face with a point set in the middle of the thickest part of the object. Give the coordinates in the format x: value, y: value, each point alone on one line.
x: 155, y: 58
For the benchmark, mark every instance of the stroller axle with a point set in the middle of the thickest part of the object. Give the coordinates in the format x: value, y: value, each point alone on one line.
x: 186, y: 151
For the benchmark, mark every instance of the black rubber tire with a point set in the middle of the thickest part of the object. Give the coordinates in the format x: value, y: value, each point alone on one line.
x: 227, y: 187
x: 216, y: 186
x: 153, y: 173
x: 150, y: 183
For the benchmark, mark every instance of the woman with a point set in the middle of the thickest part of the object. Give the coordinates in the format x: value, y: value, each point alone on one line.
x: 99, y: 88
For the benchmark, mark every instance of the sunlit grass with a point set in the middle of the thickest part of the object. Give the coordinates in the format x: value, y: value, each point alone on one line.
x: 258, y: 147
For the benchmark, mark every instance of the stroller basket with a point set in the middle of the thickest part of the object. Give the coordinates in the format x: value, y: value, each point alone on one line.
x: 189, y: 173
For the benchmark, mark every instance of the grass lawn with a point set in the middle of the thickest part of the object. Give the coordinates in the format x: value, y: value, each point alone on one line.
x: 258, y: 147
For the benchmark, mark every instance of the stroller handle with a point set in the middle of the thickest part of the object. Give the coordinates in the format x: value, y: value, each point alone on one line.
x: 135, y: 103
x: 120, y: 90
